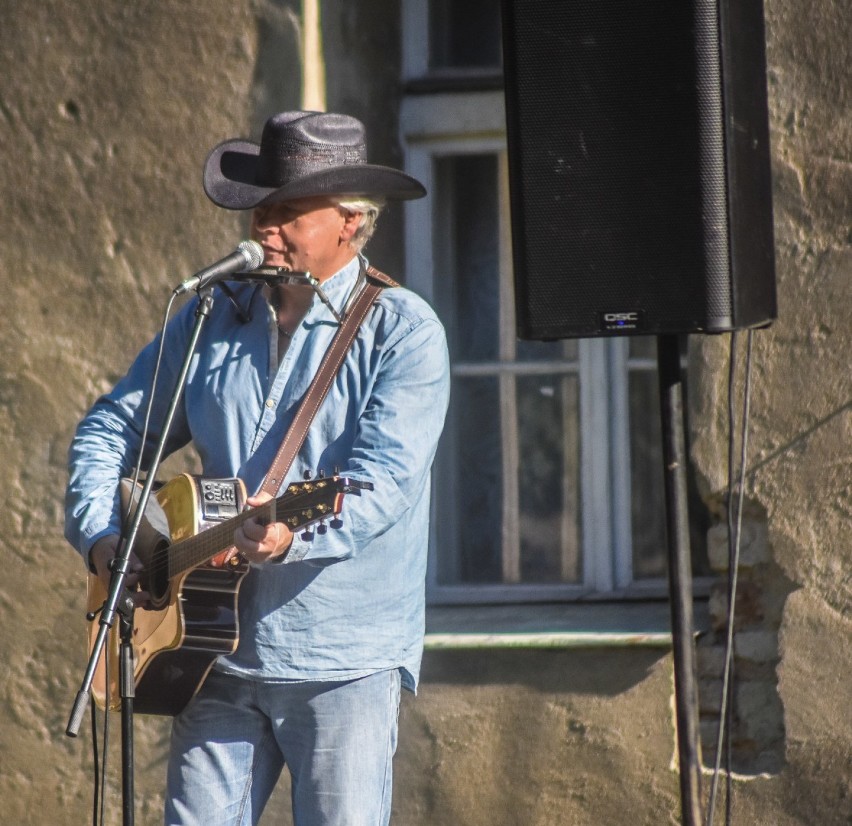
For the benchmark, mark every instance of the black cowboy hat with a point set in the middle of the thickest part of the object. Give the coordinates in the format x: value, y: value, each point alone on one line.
x: 301, y: 154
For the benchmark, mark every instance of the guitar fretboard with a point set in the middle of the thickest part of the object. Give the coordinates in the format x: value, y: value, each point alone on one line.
x: 300, y: 505
x: 198, y: 549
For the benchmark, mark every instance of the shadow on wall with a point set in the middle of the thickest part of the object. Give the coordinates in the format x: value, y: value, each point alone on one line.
x: 604, y: 672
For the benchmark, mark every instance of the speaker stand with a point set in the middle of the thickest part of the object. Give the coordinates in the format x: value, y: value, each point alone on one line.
x: 680, y: 576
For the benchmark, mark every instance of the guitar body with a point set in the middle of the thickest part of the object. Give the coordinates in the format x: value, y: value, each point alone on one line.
x: 194, y: 620
x: 174, y: 648
x: 193, y: 615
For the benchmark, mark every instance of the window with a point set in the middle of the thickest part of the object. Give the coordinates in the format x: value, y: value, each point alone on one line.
x: 463, y: 35
x: 548, y: 482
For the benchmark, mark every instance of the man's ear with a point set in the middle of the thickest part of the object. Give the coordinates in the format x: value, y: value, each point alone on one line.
x: 351, y: 222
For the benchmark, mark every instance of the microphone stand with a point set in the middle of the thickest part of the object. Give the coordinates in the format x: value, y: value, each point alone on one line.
x: 119, y: 602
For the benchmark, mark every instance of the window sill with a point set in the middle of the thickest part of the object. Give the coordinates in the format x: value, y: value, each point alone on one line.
x: 596, y: 625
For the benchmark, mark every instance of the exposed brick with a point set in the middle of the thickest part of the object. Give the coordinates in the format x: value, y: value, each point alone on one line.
x: 710, y: 696
x: 756, y: 646
x: 749, y: 605
x: 754, y: 545
x: 760, y: 712
x: 710, y: 661
x: 708, y: 731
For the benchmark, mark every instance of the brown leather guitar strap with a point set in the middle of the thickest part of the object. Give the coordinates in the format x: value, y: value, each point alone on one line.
x: 322, y: 381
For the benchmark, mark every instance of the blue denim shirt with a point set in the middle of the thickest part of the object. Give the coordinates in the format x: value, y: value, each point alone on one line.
x: 348, y: 602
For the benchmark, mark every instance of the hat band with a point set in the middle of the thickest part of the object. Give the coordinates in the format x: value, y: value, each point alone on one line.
x: 281, y: 164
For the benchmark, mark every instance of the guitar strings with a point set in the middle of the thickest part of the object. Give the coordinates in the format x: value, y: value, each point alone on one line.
x: 200, y: 547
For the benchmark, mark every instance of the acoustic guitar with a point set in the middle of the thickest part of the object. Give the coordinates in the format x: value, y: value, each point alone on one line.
x: 192, y: 618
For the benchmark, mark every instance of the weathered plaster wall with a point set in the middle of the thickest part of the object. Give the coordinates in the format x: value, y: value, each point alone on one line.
x: 107, y: 110
x: 800, y: 483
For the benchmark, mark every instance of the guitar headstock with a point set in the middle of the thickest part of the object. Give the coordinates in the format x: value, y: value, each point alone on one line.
x: 313, y: 500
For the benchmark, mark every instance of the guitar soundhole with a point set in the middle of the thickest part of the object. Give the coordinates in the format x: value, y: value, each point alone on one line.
x: 158, y: 574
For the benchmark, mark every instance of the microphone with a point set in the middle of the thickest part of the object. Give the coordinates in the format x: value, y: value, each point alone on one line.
x: 247, y: 256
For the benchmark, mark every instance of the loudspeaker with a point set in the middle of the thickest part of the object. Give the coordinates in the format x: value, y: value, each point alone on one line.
x: 639, y: 166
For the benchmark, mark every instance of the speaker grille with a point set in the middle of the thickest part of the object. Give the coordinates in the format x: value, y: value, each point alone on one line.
x: 617, y: 165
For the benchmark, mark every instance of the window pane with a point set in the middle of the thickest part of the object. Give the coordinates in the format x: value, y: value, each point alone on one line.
x: 507, y: 476
x: 545, y: 544
x: 646, y: 476
x: 468, y: 248
x: 467, y: 296
x: 644, y: 347
x: 646, y: 460
x: 469, y: 497
x: 464, y: 34
x: 548, y: 408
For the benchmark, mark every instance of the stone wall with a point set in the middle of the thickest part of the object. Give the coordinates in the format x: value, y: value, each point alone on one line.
x: 107, y: 110
x: 792, y: 640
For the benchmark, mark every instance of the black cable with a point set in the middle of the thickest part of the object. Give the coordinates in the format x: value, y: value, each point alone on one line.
x: 244, y: 315
x: 152, y: 393
x: 107, y: 700
x: 734, y: 521
x: 95, y: 760
x: 100, y: 770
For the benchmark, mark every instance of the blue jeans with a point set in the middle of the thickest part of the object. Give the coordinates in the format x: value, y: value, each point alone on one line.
x: 336, y: 738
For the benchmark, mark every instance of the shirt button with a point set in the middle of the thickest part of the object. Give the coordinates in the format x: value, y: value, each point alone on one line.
x: 269, y: 403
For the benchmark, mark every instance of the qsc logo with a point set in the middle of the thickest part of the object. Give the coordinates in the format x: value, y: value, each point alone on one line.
x: 625, y: 320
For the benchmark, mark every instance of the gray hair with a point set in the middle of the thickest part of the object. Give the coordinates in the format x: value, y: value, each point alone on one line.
x: 369, y: 209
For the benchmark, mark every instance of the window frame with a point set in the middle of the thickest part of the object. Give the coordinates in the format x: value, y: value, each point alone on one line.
x: 437, y: 123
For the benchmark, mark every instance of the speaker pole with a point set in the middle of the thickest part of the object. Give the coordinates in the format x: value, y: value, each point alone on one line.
x: 680, y: 576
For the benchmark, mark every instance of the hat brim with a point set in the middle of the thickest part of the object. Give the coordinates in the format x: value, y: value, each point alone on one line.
x: 230, y: 175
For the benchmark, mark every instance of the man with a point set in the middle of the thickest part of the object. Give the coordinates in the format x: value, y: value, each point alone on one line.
x: 330, y: 624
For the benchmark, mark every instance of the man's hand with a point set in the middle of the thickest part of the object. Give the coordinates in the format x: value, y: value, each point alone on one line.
x: 260, y: 543
x: 101, y: 556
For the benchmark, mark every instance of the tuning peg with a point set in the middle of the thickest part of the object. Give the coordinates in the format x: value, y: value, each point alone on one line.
x: 321, y: 528
x: 306, y: 475
x: 321, y: 474
x: 307, y: 536
x: 336, y: 523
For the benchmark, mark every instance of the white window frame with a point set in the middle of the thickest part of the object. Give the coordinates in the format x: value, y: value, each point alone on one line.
x: 441, y: 124
x: 449, y: 124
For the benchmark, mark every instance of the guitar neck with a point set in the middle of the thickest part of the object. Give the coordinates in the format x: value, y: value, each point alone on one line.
x: 301, y: 504
x: 198, y: 549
